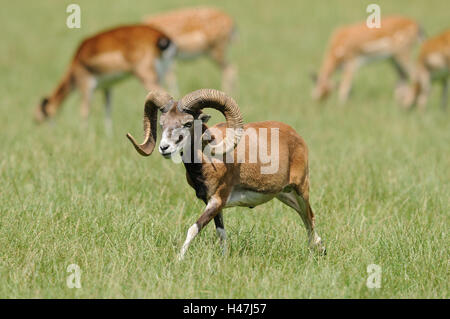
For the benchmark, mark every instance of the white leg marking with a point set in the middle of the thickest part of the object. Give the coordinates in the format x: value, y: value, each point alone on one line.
x: 314, y: 240
x: 315, y: 243
x: 192, y: 232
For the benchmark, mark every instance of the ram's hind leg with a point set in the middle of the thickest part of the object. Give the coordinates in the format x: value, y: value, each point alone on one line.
x: 315, y: 241
x: 301, y: 205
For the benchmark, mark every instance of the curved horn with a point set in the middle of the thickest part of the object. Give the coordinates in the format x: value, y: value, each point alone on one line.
x: 155, y: 100
x: 209, y: 98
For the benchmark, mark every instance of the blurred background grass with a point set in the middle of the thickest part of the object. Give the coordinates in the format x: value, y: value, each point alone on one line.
x: 69, y: 194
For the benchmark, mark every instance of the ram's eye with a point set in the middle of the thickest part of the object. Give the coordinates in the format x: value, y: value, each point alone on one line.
x: 187, y: 124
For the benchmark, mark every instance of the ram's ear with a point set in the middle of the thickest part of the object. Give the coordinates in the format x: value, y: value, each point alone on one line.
x: 204, y: 117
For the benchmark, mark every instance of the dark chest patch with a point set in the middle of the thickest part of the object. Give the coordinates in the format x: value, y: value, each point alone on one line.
x: 194, y: 171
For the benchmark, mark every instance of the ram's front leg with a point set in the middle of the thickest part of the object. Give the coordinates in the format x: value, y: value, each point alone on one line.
x: 213, y: 207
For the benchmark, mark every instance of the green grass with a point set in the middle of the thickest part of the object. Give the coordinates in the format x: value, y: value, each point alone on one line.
x: 70, y: 195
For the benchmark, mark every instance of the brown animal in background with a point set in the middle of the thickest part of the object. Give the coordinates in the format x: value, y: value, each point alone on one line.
x: 433, y: 64
x: 351, y: 46
x: 196, y: 32
x: 221, y: 184
x: 105, y: 58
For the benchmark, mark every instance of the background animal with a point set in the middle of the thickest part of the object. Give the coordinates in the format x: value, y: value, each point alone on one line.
x: 433, y: 64
x: 353, y: 45
x: 105, y: 58
x: 199, y: 31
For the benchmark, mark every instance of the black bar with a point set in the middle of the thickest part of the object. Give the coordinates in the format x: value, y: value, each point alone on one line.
x: 225, y: 308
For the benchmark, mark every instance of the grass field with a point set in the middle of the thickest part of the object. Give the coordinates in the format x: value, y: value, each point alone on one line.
x: 380, y: 177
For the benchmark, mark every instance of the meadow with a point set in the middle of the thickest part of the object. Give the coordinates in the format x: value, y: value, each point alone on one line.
x: 69, y: 194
